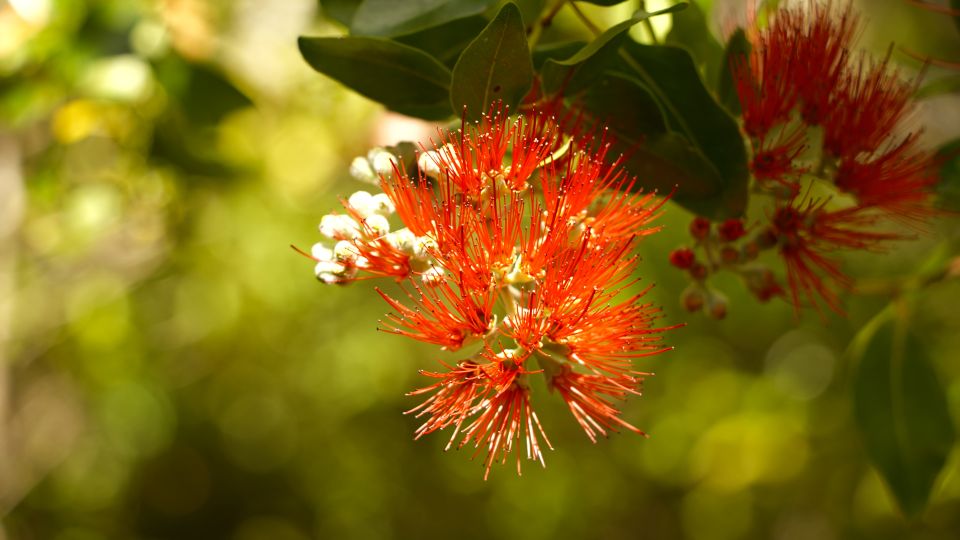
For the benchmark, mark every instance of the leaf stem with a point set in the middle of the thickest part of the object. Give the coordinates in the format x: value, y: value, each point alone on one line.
x: 648, y: 25
x: 584, y: 19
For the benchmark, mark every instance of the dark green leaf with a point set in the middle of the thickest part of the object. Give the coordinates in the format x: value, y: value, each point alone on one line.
x: 495, y: 66
x: 660, y: 159
x: 691, y: 32
x: 405, y: 79
x: 902, y: 414
x: 341, y: 11
x: 671, y: 77
x: 447, y: 41
x: 737, y: 50
x: 554, y: 51
x: 393, y: 18
x: 949, y: 187
x: 577, y: 71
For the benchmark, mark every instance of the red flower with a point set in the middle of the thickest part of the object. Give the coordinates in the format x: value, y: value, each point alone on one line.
x: 682, y: 258
x: 867, y: 106
x: 898, y: 181
x: 807, y: 234
x: 543, y: 226
x: 775, y: 160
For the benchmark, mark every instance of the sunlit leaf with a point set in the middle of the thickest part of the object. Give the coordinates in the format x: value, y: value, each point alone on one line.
x: 393, y: 18
x: 901, y: 411
x: 555, y: 51
x: 495, y: 66
x: 341, y: 11
x: 404, y: 79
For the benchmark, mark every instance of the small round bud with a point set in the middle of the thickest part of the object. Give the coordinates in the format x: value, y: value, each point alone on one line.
x: 382, y: 204
x: 361, y: 170
x: 345, y: 252
x: 429, y: 163
x: 331, y: 272
x: 682, y: 258
x: 362, y: 202
x: 402, y: 239
x: 716, y: 307
x: 376, y: 226
x: 700, y: 228
x: 383, y: 162
x: 730, y: 255
x: 731, y: 229
x: 321, y: 252
x: 693, y: 298
x: 749, y: 251
x: 339, y: 226
x: 699, y: 271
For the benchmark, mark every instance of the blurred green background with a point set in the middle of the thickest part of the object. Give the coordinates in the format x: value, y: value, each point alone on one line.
x: 169, y: 368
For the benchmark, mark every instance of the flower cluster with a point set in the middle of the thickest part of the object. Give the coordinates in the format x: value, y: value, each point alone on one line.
x: 831, y: 147
x: 516, y: 248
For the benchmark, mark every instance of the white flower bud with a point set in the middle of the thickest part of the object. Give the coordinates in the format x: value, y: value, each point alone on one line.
x: 382, y: 204
x: 429, y: 163
x: 361, y: 170
x: 345, y: 252
x: 363, y: 203
x: 376, y: 225
x: 403, y: 240
x: 382, y: 162
x: 339, y: 226
x: 329, y: 271
x: 321, y: 252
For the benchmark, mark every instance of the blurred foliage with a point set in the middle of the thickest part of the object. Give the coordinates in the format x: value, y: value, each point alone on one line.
x: 169, y: 368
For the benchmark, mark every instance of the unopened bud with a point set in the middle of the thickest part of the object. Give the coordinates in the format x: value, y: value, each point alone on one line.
x: 716, y: 307
x: 321, y: 252
x: 693, y: 298
x: 382, y: 161
x: 382, y: 204
x: 361, y: 170
x: 345, y: 252
x: 749, y: 251
x: 432, y: 276
x: 376, y: 226
x: 731, y: 229
x: 730, y: 255
x: 682, y: 258
x: 700, y: 228
x: 699, y: 271
x: 339, y: 226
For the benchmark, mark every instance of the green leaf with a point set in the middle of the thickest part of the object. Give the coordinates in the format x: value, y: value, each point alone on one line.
x: 660, y: 159
x: 948, y: 188
x: 576, y: 72
x: 495, y: 66
x: 404, y: 79
x: 671, y: 77
x: 393, y: 18
x: 737, y: 48
x: 901, y: 411
x: 691, y: 32
x: 446, y: 41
